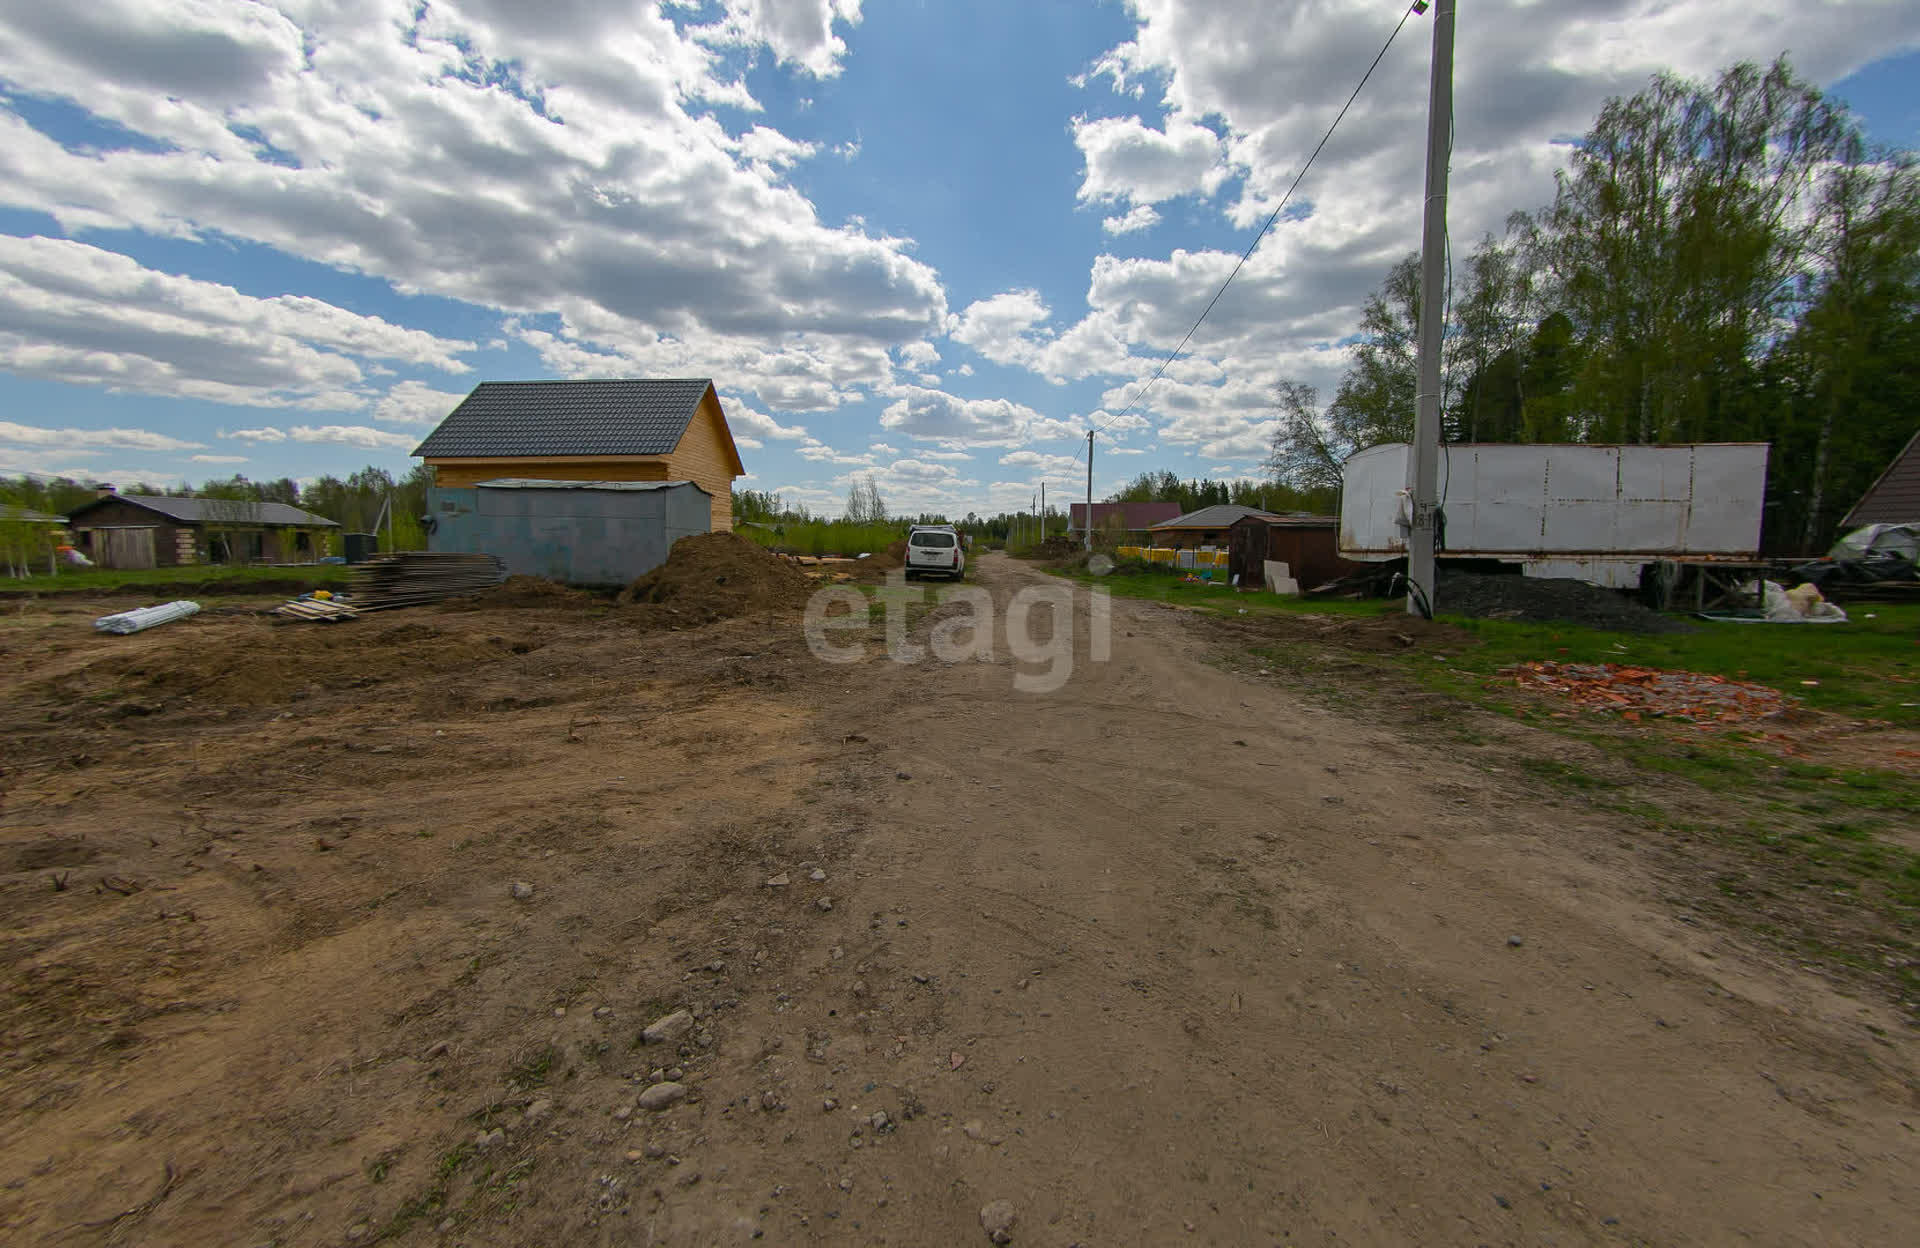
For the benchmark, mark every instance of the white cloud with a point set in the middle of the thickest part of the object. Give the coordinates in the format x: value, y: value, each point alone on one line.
x: 819, y: 452
x: 90, y: 441
x: 354, y: 435
x: 747, y: 444
x: 1129, y: 161
x: 800, y: 32
x: 77, y: 313
x: 1139, y: 217
x: 1000, y: 328
x: 543, y: 160
x: 361, y: 436
x: 219, y: 459
x: 415, y: 403
x: 937, y: 416
x: 1043, y: 465
x: 741, y: 418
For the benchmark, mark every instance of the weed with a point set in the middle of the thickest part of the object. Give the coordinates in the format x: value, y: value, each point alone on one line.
x: 532, y: 1071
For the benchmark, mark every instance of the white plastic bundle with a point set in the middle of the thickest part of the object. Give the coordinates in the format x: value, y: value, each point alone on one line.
x: 145, y: 617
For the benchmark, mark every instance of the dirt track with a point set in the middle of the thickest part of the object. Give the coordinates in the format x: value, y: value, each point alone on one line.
x: 1161, y: 957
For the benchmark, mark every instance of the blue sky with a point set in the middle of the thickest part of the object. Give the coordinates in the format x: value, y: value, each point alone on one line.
x: 926, y: 241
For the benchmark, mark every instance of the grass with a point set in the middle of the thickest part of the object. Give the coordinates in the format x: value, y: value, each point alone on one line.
x: 1864, y: 669
x: 825, y: 537
x: 201, y: 578
x: 1868, y: 668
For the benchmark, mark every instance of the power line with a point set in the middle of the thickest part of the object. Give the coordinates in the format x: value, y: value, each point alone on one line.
x: 1419, y: 6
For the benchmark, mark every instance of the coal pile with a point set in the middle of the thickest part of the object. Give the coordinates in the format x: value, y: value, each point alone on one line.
x: 414, y: 577
x: 1548, y: 599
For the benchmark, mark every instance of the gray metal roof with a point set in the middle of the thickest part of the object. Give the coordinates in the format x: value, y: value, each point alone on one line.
x: 517, y: 419
x: 538, y: 483
x: 202, y: 510
x: 1219, y: 516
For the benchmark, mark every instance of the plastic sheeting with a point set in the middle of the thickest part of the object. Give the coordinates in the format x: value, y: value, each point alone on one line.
x: 146, y: 617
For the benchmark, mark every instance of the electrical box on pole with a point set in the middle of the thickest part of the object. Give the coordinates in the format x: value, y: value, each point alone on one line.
x: 1425, y: 484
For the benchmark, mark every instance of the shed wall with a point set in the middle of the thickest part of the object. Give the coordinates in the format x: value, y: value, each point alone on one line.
x: 579, y: 536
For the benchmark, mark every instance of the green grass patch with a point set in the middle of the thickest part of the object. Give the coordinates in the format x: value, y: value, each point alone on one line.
x: 1864, y: 669
x: 824, y: 537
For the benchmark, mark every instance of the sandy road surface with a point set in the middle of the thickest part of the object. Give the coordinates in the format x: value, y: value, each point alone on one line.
x: 1161, y: 957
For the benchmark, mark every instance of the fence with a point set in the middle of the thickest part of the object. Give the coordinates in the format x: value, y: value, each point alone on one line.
x: 1205, y: 557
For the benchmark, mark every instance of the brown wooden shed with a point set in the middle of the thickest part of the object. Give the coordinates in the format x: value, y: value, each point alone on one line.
x: 164, y: 531
x: 1308, y: 545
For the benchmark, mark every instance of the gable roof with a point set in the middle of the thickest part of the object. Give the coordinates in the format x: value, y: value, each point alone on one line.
x: 521, y: 419
x: 1218, y: 516
x: 1130, y: 515
x: 1895, y: 497
x: 218, y: 510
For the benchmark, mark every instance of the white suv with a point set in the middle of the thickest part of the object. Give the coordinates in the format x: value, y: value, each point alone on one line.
x: 935, y: 550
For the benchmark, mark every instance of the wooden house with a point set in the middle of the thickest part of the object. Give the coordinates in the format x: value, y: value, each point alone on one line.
x: 162, y: 531
x: 628, y: 429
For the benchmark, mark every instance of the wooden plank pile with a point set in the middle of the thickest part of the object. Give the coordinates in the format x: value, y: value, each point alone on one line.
x: 316, y: 609
x: 412, y: 578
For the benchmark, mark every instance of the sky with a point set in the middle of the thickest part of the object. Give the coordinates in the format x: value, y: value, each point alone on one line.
x: 928, y: 241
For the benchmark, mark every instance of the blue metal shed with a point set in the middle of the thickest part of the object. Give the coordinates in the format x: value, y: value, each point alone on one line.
x: 579, y: 532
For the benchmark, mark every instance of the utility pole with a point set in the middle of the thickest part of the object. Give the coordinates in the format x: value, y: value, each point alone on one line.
x: 1425, y: 484
x: 1043, y: 511
x: 1088, y: 518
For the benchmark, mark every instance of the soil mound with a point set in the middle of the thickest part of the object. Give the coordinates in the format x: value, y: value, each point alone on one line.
x: 1548, y: 598
x: 715, y: 576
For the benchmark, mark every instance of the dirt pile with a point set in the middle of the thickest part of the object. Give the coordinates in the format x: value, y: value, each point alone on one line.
x: 1548, y: 598
x: 716, y: 576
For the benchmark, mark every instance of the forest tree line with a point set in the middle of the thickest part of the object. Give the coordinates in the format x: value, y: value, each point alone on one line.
x: 1721, y: 262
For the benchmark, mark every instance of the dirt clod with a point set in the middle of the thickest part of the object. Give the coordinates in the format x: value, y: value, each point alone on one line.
x: 997, y: 1220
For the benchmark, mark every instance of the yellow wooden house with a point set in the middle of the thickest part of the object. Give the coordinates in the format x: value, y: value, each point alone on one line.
x: 622, y: 429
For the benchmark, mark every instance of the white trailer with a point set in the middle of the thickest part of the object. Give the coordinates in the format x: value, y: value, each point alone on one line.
x: 1598, y: 513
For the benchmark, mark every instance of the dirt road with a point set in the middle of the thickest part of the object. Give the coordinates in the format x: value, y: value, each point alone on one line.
x: 1165, y: 956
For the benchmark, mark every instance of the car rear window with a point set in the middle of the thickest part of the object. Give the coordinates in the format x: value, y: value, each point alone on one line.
x: 933, y: 539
